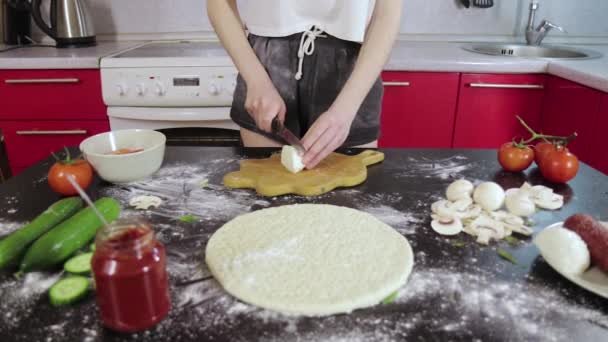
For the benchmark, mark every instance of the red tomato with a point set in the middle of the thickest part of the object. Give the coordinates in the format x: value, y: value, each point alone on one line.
x: 514, y: 158
x: 541, y: 149
x: 80, y: 169
x: 559, y: 165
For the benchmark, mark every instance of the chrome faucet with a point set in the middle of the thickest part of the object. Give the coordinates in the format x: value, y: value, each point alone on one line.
x: 536, y: 36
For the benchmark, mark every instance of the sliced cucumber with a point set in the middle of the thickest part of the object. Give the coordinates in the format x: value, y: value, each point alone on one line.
x: 69, y: 290
x: 80, y: 264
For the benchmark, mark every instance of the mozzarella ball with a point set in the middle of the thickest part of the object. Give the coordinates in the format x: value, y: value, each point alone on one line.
x: 563, y: 249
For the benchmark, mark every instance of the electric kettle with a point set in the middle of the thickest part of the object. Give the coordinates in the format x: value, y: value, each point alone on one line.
x: 71, y: 24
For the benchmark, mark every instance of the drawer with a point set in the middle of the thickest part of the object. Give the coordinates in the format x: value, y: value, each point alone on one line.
x: 51, y: 95
x: 16, y: 170
x: 30, y: 142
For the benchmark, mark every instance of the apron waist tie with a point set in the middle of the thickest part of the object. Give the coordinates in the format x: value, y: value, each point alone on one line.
x: 307, y: 46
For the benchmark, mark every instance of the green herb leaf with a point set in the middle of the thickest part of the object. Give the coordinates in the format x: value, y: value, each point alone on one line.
x: 512, y: 240
x: 458, y: 243
x: 507, y: 256
x: 529, y: 222
x: 391, y: 298
x: 204, y: 183
x: 188, y: 218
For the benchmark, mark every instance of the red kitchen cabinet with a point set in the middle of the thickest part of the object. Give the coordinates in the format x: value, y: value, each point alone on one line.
x: 487, y: 106
x: 598, y: 152
x: 27, y: 142
x: 44, y: 110
x: 15, y: 170
x: 570, y: 107
x: 51, y: 95
x: 418, y: 109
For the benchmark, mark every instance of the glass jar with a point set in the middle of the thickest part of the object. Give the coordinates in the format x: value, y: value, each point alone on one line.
x: 129, y: 267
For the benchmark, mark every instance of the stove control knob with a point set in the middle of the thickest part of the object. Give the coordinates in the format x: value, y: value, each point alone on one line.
x: 122, y: 89
x: 215, y: 89
x: 160, y: 89
x: 140, y: 89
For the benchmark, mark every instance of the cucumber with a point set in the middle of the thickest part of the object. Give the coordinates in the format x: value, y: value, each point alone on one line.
x: 14, y: 246
x: 58, y: 244
x: 69, y: 290
x: 80, y: 264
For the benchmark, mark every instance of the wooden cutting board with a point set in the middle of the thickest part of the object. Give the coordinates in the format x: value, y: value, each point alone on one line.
x: 270, y: 178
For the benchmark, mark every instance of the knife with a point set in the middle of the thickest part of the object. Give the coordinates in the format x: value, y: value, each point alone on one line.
x: 279, y: 129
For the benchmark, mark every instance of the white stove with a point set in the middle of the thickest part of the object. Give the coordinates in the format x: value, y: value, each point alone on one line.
x: 162, y: 85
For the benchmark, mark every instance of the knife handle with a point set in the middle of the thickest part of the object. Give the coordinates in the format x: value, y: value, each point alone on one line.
x: 276, y: 125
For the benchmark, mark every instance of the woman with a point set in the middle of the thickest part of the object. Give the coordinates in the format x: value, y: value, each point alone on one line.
x: 314, y: 64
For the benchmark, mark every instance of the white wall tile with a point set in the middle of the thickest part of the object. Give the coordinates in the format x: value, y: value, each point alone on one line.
x: 423, y: 18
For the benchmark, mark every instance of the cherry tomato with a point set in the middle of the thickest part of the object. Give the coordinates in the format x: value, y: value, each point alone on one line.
x: 514, y: 158
x: 541, y: 149
x: 559, y: 165
x: 80, y: 169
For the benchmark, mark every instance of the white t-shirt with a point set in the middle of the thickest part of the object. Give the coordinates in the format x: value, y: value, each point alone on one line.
x: 345, y: 19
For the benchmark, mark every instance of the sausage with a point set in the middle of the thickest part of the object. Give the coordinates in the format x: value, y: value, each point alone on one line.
x: 595, y: 236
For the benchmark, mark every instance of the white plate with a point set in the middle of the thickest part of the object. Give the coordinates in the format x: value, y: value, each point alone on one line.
x: 593, y: 279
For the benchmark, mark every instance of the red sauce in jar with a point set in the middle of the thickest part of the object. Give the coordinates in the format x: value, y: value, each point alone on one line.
x: 129, y: 266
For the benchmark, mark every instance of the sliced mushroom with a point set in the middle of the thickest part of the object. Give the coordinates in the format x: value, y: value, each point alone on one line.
x: 447, y: 226
x: 512, y: 222
x: 145, y: 202
x: 460, y: 189
x: 519, y: 203
x: 486, y: 223
x: 443, y: 208
x: 545, y: 198
x: 484, y: 236
x: 461, y: 204
x: 489, y: 195
x: 471, y: 212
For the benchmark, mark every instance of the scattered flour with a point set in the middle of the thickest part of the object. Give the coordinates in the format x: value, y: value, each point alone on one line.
x: 448, y: 168
x: 185, y: 191
x: 9, y: 227
x: 19, y: 296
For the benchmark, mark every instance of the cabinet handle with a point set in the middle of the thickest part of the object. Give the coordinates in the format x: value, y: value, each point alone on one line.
x: 42, y: 81
x: 395, y: 84
x: 507, y: 86
x: 66, y: 132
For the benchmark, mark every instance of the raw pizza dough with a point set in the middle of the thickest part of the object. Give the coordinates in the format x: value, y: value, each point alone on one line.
x: 309, y: 259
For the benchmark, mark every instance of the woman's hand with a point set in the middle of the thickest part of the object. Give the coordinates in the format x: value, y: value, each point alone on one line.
x: 264, y: 103
x: 327, y: 133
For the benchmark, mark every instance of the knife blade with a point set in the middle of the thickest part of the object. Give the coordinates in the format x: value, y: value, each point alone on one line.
x: 279, y: 129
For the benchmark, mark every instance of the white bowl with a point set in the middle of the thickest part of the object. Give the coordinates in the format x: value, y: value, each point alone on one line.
x: 129, y: 167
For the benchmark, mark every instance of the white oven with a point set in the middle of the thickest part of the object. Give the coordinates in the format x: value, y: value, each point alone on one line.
x: 182, y: 88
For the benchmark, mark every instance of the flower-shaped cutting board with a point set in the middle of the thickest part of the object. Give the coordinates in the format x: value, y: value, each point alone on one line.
x: 270, y: 178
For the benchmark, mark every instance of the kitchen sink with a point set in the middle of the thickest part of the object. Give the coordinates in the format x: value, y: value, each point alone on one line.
x: 522, y: 50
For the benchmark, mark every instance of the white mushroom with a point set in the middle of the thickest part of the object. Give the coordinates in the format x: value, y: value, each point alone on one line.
x: 443, y: 209
x: 460, y: 189
x: 511, y: 222
x: 463, y: 208
x: 487, y: 228
x: 447, y: 226
x: 461, y: 204
x: 544, y: 198
x: 489, y: 195
x: 145, y: 202
x: 519, y: 203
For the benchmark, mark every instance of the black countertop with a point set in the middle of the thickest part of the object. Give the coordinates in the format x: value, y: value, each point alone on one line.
x: 456, y: 292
